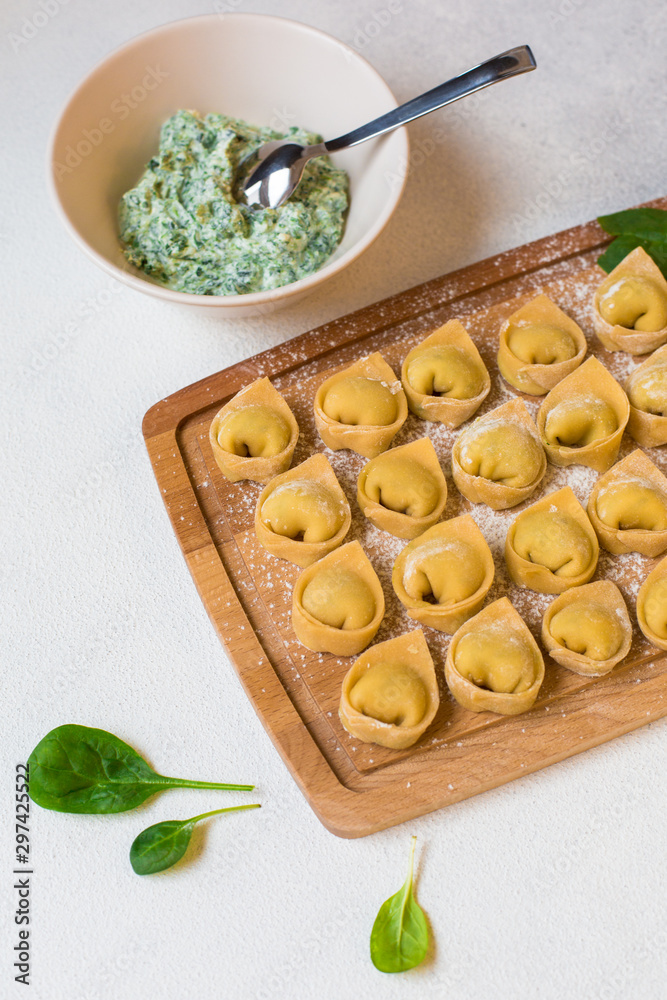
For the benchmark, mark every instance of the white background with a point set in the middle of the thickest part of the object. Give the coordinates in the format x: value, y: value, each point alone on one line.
x: 550, y: 887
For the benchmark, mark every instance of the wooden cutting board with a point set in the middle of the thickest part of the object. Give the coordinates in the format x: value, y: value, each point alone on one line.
x: 355, y: 788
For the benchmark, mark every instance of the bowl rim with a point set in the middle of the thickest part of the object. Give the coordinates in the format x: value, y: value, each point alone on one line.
x: 258, y: 299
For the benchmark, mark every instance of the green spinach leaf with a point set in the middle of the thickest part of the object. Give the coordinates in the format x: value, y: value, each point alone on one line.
x: 637, y: 227
x: 81, y: 770
x: 162, y: 845
x: 647, y: 223
x: 399, y: 939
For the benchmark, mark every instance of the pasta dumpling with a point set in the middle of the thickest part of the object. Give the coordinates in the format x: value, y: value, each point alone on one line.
x: 630, y: 306
x: 362, y: 407
x: 444, y: 377
x: 551, y: 546
x: 403, y: 491
x: 628, y: 507
x: 493, y: 663
x: 647, y: 391
x: 538, y: 346
x: 444, y: 575
x: 338, y: 603
x: 587, y: 629
x: 499, y: 460
x: 302, y: 514
x: 652, y: 605
x: 254, y: 435
x: 581, y: 421
x: 390, y: 694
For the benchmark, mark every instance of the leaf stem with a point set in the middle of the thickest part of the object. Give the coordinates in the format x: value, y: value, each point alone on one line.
x: 408, y: 882
x: 229, y: 809
x: 412, y: 858
x: 184, y: 783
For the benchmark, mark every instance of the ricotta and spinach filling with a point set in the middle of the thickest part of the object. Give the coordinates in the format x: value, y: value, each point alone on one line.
x: 182, y: 225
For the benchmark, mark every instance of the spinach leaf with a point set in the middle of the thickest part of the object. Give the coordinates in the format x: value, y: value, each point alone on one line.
x: 638, y: 227
x: 646, y: 223
x: 162, y: 845
x: 617, y: 250
x: 81, y: 770
x: 399, y: 939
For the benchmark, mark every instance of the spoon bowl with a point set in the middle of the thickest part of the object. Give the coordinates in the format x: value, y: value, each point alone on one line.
x: 280, y: 164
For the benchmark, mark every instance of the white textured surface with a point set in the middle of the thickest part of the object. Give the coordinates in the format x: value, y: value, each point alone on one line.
x: 551, y: 887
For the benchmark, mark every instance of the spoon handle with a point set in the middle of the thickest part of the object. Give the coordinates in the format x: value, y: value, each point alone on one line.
x: 501, y: 67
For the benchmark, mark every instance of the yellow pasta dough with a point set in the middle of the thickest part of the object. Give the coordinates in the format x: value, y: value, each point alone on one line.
x: 362, y: 407
x: 444, y: 575
x: 635, y: 304
x: 538, y: 346
x: 630, y: 306
x: 582, y: 419
x: 551, y: 546
x: 647, y: 391
x: 302, y: 514
x: 403, y: 491
x: 579, y: 422
x: 254, y: 435
x: 339, y: 598
x: 338, y: 603
x: 652, y: 605
x: 498, y: 460
x: 587, y: 629
x: 390, y: 694
x: 628, y: 507
x: 358, y: 400
x: 444, y: 377
x: 493, y: 663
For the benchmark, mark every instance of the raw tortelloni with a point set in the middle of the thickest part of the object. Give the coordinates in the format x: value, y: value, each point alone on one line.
x: 338, y: 603
x: 538, y: 346
x: 403, y: 491
x: 302, y: 514
x: 444, y: 575
x: 493, y: 663
x: 630, y: 306
x: 499, y: 460
x: 362, y: 407
x: 588, y: 629
x: 551, y: 546
x: 647, y: 392
x: 652, y: 605
x: 581, y: 421
x: 444, y: 377
x: 628, y: 507
x: 390, y: 694
x: 254, y: 435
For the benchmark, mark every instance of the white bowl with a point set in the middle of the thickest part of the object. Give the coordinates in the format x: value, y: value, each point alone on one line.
x: 266, y: 70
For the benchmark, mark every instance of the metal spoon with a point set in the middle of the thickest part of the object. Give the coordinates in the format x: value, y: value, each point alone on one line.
x: 271, y: 182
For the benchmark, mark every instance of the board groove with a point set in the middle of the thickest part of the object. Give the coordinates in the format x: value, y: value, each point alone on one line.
x: 356, y: 790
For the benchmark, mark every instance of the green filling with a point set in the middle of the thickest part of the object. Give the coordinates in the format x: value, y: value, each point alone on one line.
x: 182, y: 226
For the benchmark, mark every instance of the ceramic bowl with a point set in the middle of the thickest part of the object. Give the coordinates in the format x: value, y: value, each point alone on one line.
x: 266, y: 70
